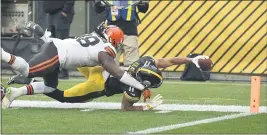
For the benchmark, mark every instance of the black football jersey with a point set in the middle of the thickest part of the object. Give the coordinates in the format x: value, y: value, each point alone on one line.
x: 114, y: 86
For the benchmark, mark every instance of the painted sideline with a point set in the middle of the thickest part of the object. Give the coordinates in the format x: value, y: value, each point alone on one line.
x: 112, y: 105
x: 192, y: 123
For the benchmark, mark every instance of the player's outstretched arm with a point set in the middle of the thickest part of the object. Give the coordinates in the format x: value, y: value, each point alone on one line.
x: 167, y: 62
x: 110, y: 66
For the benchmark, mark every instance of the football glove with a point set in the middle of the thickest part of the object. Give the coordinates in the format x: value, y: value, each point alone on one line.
x: 195, y: 60
x: 146, y: 94
x: 157, y: 100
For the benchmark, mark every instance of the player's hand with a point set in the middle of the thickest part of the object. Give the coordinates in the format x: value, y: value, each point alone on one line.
x: 46, y: 37
x: 157, y: 100
x: 146, y: 94
x: 195, y: 60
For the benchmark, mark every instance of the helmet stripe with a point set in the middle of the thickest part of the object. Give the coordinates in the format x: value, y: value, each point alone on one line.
x: 152, y: 72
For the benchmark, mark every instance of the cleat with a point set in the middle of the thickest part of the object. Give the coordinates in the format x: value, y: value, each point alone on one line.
x: 6, y: 100
x: 10, y: 95
x: 19, y: 79
x: 31, y: 27
x: 11, y: 80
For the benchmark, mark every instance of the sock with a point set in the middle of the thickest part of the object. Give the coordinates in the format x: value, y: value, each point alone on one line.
x: 36, y: 88
x: 6, y: 57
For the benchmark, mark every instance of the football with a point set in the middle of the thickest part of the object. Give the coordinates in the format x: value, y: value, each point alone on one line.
x: 205, y: 64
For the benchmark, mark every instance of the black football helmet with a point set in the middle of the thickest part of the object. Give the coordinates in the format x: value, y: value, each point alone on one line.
x: 145, y: 60
x: 150, y: 76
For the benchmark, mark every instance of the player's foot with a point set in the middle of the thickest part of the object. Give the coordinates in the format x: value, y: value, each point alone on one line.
x: 10, y: 95
x: 32, y: 27
x: 19, y: 79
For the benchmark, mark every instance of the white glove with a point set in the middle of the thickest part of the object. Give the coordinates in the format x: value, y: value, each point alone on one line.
x: 195, y: 60
x: 157, y: 100
x: 46, y: 37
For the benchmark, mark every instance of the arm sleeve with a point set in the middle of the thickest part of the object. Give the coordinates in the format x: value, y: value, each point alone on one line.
x: 68, y: 6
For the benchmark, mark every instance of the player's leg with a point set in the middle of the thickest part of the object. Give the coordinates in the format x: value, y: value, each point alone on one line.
x: 131, y: 51
x: 49, y: 85
x: 92, y: 88
x: 79, y: 93
x: 85, y: 71
x: 45, y: 62
x: 18, y: 64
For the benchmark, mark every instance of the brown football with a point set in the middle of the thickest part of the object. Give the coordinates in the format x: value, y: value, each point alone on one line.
x: 205, y: 64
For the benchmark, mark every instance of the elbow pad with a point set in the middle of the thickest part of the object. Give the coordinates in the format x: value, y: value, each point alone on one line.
x: 129, y: 80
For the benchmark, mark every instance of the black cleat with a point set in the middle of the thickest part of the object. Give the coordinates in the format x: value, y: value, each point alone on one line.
x: 19, y: 79
x: 30, y: 28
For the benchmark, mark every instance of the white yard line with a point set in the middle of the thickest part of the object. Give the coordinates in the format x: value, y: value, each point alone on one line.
x: 192, y: 123
x: 112, y: 105
x: 87, y: 110
x: 163, y: 111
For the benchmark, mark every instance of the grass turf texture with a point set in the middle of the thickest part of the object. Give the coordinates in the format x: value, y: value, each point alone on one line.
x: 255, y: 124
x: 173, y: 92
x: 37, y: 120
x: 98, y: 121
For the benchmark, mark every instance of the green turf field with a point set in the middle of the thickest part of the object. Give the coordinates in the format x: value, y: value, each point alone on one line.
x: 53, y: 120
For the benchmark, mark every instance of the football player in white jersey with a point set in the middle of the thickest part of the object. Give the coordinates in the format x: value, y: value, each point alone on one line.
x: 97, y: 48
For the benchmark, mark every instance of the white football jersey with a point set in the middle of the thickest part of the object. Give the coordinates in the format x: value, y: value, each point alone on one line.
x: 82, y: 51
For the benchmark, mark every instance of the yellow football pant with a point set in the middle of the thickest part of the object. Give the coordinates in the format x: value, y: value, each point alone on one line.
x: 95, y: 83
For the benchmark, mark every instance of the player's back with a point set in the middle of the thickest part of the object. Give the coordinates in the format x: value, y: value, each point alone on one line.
x: 81, y: 51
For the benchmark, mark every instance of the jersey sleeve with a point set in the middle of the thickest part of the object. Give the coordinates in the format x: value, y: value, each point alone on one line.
x: 110, y: 50
x: 132, y: 94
